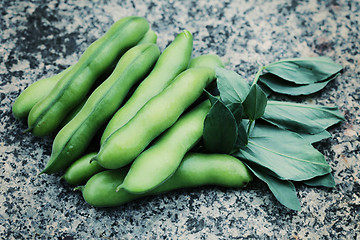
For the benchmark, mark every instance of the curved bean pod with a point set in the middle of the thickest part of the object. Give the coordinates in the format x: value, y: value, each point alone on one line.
x: 39, y: 89
x: 82, y: 170
x: 149, y: 37
x: 201, y: 61
x: 160, y: 161
x: 194, y: 171
x: 72, y: 88
x: 207, y: 60
x: 158, y: 114
x: 72, y: 114
x: 171, y: 63
x: 34, y: 93
x: 75, y: 136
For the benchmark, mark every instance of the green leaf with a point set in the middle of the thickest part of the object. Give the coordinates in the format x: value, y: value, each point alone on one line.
x: 282, y: 86
x: 301, y: 118
x: 285, y: 153
x: 242, y: 139
x: 283, y: 190
x: 213, y: 99
x: 237, y: 111
x: 326, y: 180
x: 255, y: 103
x: 265, y: 88
x: 220, y: 129
x: 317, y: 137
x: 304, y: 70
x: 232, y: 87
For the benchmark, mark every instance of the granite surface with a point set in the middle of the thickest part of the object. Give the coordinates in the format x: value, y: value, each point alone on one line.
x: 40, y: 38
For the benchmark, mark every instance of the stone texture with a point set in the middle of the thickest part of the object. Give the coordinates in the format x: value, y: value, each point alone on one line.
x: 40, y: 38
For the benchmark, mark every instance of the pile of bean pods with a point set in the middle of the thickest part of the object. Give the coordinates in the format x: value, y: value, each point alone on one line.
x: 147, y: 106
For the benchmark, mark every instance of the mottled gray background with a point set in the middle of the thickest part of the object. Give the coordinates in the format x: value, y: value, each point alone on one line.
x: 40, y: 38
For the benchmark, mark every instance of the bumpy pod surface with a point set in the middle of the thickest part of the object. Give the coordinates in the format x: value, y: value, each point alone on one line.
x: 174, y: 59
x: 195, y: 170
x: 45, y: 117
x: 74, y: 137
x: 158, y: 114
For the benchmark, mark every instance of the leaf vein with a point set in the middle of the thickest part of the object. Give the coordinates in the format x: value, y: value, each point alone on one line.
x: 287, y: 156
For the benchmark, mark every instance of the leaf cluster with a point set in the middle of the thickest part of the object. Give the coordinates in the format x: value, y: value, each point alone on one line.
x: 300, y: 76
x: 278, y: 147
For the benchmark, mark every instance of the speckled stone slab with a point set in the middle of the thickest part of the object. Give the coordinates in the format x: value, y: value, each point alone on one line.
x: 41, y: 38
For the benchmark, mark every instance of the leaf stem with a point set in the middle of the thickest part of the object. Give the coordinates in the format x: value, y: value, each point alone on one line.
x: 261, y: 68
x: 249, y: 127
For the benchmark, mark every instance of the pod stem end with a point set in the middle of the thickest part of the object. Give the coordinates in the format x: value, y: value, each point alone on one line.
x: 78, y: 188
x: 29, y: 129
x: 118, y: 188
x: 94, y: 159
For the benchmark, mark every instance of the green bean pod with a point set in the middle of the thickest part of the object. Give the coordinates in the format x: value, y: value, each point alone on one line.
x: 71, y: 89
x: 194, y: 171
x: 82, y: 170
x: 160, y: 161
x: 72, y: 114
x: 200, y: 61
x: 149, y: 37
x: 174, y: 59
x: 207, y: 60
x: 34, y: 93
x: 73, y: 139
x: 39, y: 89
x: 158, y: 114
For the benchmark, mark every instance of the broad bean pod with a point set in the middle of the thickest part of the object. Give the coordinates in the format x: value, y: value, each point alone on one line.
x: 34, y: 93
x: 72, y: 88
x: 174, y: 59
x: 85, y: 168
x: 160, y: 161
x: 149, y: 37
x: 82, y: 170
x: 158, y: 114
x: 39, y: 89
x: 196, y: 169
x: 72, y: 114
x: 73, y: 139
x: 206, y: 60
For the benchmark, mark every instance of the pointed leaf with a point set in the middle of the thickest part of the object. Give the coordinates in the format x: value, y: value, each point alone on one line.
x: 232, y: 87
x: 220, y: 129
x: 317, y: 137
x: 302, y: 118
x: 326, y: 180
x: 265, y: 88
x: 304, y: 70
x: 283, y: 190
x: 242, y: 139
x: 285, y: 153
x: 282, y: 86
x: 213, y: 99
x: 237, y: 110
x: 255, y: 103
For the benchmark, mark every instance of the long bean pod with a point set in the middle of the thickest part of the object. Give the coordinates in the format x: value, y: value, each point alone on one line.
x: 34, y: 93
x: 82, y: 170
x: 206, y: 60
x: 72, y: 88
x: 158, y: 114
x: 75, y: 136
x: 39, y: 89
x: 174, y: 59
x: 160, y: 161
x: 194, y: 171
